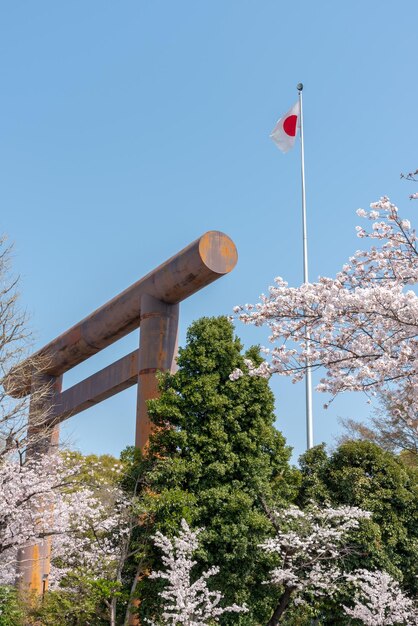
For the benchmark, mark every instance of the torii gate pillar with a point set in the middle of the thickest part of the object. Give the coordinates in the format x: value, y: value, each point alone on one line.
x: 33, y: 562
x: 157, y: 353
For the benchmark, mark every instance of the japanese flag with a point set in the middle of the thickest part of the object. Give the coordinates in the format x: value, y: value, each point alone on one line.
x: 284, y: 133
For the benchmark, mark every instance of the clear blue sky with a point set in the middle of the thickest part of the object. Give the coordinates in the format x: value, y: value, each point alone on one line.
x: 128, y: 129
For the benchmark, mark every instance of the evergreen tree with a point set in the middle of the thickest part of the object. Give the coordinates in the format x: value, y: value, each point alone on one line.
x: 215, y: 459
x: 360, y: 473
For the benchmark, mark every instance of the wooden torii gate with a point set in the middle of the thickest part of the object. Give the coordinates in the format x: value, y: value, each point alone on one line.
x: 152, y: 303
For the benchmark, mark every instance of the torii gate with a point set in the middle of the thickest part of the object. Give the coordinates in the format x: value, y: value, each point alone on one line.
x: 151, y: 303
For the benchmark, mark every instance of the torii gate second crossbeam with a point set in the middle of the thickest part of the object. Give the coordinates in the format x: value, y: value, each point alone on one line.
x: 152, y: 303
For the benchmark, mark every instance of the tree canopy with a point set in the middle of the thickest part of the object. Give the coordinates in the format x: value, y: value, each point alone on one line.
x: 360, y: 473
x: 213, y: 456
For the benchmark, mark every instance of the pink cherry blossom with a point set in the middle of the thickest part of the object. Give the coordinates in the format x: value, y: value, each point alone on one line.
x: 379, y: 601
x: 41, y: 500
x: 360, y: 327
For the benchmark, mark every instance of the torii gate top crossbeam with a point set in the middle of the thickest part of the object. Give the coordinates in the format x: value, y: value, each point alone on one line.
x: 199, y: 264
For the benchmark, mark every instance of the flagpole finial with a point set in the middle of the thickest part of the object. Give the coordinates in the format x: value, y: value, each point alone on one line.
x: 299, y: 86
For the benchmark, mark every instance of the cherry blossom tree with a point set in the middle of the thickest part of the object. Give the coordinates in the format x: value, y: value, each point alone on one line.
x: 94, y: 542
x: 86, y: 520
x: 310, y: 546
x: 361, y: 326
x: 186, y: 602
x: 411, y: 176
x: 43, y: 499
x: 379, y: 601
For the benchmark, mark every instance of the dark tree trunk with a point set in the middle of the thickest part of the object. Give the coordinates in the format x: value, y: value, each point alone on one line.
x: 281, y: 607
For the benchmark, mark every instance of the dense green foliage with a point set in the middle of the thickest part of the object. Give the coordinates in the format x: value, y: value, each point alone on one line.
x: 213, y: 456
x: 83, y: 604
x: 95, y: 469
x: 360, y: 473
x: 11, y: 609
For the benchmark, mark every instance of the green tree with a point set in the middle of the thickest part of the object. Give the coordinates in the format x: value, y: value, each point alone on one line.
x: 84, y: 604
x: 360, y: 473
x: 11, y: 607
x: 215, y: 459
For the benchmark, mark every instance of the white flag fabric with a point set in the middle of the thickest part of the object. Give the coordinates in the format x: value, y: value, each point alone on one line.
x: 284, y: 133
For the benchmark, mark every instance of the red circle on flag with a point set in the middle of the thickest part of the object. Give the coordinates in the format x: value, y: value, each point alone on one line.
x: 289, y: 125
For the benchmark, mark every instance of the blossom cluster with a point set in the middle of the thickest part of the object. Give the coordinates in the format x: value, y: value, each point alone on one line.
x: 361, y: 326
x: 310, y: 545
x: 187, y: 602
x: 379, y: 601
x: 41, y: 501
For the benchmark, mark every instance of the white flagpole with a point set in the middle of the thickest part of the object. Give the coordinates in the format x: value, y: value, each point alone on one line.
x: 308, y: 379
